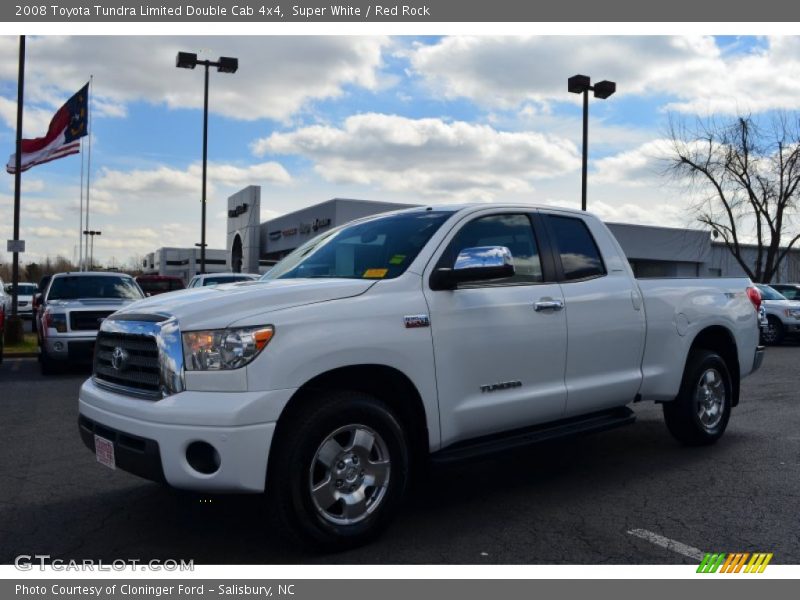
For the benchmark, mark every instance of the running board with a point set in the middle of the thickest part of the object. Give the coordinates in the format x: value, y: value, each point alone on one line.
x: 520, y: 438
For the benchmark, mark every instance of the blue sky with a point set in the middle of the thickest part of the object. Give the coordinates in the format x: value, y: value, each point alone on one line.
x: 413, y: 119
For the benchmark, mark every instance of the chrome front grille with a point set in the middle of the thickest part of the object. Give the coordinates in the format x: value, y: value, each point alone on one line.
x: 139, y: 355
x: 128, y: 360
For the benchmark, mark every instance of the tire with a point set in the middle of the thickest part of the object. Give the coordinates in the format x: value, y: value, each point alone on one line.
x: 46, y: 364
x: 773, y: 334
x: 346, y: 431
x: 699, y: 414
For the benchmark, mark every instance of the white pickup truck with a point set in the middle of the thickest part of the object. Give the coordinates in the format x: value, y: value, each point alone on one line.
x: 437, y: 333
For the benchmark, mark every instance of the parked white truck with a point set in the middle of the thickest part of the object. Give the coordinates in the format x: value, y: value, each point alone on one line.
x: 436, y: 333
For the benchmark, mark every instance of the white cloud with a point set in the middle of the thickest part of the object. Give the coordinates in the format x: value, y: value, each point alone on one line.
x: 508, y: 72
x: 278, y: 76
x: 426, y: 156
x: 642, y: 166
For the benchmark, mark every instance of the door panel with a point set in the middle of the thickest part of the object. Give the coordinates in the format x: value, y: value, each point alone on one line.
x: 605, y: 322
x: 499, y: 362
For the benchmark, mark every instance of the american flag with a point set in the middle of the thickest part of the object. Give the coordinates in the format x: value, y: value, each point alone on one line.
x: 68, y: 125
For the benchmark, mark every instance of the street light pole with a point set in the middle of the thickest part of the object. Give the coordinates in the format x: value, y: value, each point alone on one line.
x: 91, y: 233
x: 225, y: 64
x: 205, y: 163
x: 581, y: 84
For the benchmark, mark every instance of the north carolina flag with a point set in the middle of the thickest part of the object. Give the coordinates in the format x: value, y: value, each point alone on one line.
x: 68, y: 125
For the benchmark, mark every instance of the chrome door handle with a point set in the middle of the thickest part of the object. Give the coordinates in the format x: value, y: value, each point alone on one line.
x: 548, y: 305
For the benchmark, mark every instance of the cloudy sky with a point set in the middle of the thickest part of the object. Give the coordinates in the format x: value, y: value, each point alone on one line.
x: 411, y: 119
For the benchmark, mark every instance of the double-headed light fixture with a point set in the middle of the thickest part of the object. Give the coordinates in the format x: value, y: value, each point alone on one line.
x: 582, y: 84
x: 225, y: 64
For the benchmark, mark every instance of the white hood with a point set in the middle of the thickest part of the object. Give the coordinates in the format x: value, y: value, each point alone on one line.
x: 217, y: 307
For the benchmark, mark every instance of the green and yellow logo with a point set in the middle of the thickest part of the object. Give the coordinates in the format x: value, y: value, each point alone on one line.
x: 735, y: 563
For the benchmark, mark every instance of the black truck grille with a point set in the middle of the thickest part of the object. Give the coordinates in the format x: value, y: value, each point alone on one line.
x: 136, y: 365
x: 87, y: 320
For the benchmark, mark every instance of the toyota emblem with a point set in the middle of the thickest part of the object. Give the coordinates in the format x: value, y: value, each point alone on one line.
x: 119, y: 359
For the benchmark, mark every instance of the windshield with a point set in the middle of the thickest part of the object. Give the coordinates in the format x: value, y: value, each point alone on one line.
x: 767, y: 293
x: 74, y: 287
x: 380, y: 248
x: 159, y: 285
x: 26, y: 289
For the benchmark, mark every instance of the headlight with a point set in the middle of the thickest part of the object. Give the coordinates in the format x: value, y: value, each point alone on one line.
x: 224, y: 349
x: 793, y: 313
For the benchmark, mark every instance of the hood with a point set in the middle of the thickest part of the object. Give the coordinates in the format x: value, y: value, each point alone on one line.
x: 90, y: 303
x: 217, y: 307
x: 781, y: 303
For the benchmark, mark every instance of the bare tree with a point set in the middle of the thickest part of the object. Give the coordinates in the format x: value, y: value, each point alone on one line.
x: 743, y: 175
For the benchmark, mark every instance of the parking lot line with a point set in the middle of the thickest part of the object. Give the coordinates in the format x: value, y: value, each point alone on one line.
x: 665, y: 542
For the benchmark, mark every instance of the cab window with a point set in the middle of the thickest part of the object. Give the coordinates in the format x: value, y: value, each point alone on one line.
x: 514, y: 231
x: 580, y: 257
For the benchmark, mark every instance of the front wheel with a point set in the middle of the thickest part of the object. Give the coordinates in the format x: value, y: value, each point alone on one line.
x: 699, y: 414
x: 338, y: 471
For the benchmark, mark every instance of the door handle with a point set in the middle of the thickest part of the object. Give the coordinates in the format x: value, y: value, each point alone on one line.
x: 548, y: 305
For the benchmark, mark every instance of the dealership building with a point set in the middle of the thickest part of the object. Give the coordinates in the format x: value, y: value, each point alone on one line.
x: 253, y: 246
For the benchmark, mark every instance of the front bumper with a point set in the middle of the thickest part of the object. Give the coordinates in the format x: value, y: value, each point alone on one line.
x: 239, y: 426
x: 74, y: 348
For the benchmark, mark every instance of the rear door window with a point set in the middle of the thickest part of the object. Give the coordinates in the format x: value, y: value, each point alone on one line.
x: 574, y: 244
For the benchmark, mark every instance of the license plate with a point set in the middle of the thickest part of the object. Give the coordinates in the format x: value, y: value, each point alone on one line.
x: 104, y: 451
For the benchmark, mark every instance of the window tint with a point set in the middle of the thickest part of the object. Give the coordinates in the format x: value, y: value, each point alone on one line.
x: 788, y: 292
x: 767, y: 293
x: 580, y: 257
x: 512, y: 231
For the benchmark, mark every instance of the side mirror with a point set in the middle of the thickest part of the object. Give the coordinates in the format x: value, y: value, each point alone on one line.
x: 37, y: 301
x: 482, y: 263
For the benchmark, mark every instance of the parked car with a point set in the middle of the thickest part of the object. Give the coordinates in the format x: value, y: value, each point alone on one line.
x: 25, y: 294
x: 790, y: 291
x: 5, y: 297
x: 220, y: 278
x: 783, y: 315
x: 3, y: 305
x: 432, y: 334
x: 152, y: 285
x: 72, y: 310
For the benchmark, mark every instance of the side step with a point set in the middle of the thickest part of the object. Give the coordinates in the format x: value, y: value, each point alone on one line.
x: 518, y: 438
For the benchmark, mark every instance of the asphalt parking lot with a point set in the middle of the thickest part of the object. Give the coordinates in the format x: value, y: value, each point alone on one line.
x: 570, y: 502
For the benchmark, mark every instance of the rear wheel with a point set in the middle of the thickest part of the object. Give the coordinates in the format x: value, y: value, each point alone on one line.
x: 772, y: 334
x: 699, y: 414
x: 338, y: 471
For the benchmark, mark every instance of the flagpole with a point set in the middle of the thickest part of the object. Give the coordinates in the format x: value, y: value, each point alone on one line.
x: 14, y: 333
x: 89, y: 155
x: 80, y: 217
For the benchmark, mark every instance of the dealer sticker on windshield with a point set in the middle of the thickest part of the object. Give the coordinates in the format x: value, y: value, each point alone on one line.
x: 104, y: 451
x: 375, y: 273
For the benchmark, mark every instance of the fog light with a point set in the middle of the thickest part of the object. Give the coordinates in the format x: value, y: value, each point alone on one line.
x: 58, y: 346
x: 203, y: 457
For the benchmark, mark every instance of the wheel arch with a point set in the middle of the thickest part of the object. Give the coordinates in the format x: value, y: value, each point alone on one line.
x: 721, y: 340
x: 387, y: 383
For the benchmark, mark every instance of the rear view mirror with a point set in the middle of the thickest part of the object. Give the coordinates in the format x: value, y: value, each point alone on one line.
x: 482, y: 263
